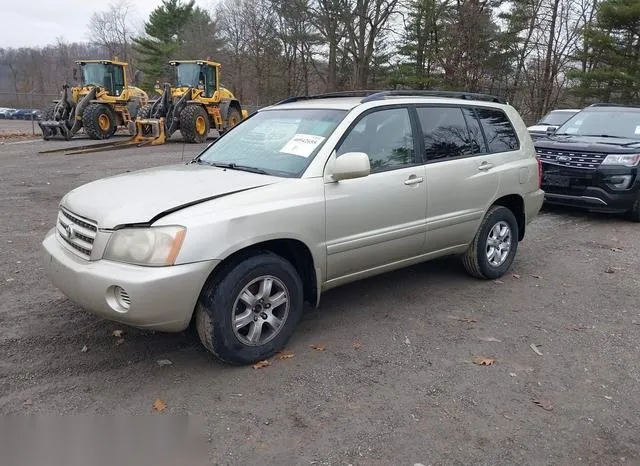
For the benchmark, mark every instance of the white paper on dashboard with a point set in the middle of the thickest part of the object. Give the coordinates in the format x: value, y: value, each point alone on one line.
x: 302, y: 145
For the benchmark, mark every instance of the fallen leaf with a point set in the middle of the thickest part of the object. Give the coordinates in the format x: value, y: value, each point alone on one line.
x: 357, y: 345
x: 159, y: 405
x: 490, y: 339
x: 544, y: 404
x: 535, y: 349
x: 612, y: 269
x: 536, y: 276
x: 84, y: 349
x: 515, y: 275
x: 482, y: 361
x: 575, y: 327
x: 118, y: 333
x: 468, y: 320
x: 164, y: 362
x: 317, y: 347
x: 285, y: 355
x: 262, y: 364
x: 513, y: 374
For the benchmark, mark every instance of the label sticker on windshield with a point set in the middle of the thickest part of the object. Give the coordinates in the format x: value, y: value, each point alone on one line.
x: 637, y: 131
x: 302, y: 145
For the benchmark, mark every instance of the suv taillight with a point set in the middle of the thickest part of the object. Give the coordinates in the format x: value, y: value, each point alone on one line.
x: 539, y: 172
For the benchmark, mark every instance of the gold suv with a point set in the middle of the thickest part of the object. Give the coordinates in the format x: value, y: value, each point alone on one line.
x: 301, y: 197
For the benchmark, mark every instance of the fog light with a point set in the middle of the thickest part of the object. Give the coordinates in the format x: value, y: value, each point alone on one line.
x: 122, y: 297
x: 620, y: 181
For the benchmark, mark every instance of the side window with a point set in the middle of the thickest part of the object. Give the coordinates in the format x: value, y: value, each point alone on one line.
x: 476, y: 138
x: 500, y: 135
x: 445, y: 133
x: 118, y: 80
x: 385, y: 136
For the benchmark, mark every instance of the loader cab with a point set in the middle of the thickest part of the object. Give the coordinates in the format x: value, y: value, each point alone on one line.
x: 199, y: 75
x: 106, y: 74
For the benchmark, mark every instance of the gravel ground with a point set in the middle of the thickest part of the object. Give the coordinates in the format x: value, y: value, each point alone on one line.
x: 395, y: 383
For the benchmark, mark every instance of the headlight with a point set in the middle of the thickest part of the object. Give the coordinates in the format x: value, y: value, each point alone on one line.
x: 154, y: 246
x: 628, y: 160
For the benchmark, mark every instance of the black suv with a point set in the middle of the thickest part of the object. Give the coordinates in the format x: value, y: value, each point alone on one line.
x: 591, y: 161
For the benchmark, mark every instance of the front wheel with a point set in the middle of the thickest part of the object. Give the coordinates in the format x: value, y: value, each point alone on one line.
x: 99, y: 121
x: 194, y: 124
x: 634, y: 213
x: 494, y: 247
x: 250, y: 310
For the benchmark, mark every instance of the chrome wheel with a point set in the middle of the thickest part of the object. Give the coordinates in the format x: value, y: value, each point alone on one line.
x: 260, y: 310
x: 498, y: 244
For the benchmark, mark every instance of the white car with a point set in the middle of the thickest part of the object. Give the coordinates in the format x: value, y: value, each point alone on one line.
x: 301, y: 197
x: 6, y: 113
x: 551, y: 121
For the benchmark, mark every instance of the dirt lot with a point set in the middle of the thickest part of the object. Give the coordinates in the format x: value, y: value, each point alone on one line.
x: 395, y: 384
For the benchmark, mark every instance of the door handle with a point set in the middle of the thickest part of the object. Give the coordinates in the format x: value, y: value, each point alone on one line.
x: 413, y: 180
x: 484, y: 166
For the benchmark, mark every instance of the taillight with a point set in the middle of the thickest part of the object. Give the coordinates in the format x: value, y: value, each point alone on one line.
x: 539, y: 172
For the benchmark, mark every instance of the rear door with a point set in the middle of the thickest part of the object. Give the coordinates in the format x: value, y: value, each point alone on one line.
x: 380, y: 219
x: 462, y: 178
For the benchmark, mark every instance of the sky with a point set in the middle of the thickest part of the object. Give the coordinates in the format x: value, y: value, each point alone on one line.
x: 36, y: 23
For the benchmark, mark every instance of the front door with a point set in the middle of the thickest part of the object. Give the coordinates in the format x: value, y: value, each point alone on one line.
x: 379, y: 219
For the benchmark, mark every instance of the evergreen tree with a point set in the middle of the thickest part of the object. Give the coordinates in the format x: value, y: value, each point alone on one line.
x: 612, y: 55
x: 163, y: 38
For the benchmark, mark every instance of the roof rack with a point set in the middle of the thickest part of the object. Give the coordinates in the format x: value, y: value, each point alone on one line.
x: 372, y: 95
x: 428, y: 93
x: 611, y: 104
x: 329, y: 95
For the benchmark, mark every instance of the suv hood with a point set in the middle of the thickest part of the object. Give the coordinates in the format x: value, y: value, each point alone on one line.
x: 146, y: 195
x: 589, y: 144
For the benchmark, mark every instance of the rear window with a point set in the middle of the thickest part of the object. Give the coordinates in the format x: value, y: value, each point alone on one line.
x: 498, y: 131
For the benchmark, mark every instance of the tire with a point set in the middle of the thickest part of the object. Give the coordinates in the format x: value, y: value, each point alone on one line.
x: 194, y: 124
x: 144, y: 112
x: 220, y: 307
x: 99, y: 121
x: 234, y: 116
x: 634, y: 213
x: 476, y: 260
x: 49, y: 115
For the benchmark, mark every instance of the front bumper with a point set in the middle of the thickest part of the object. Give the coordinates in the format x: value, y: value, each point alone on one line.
x: 160, y: 298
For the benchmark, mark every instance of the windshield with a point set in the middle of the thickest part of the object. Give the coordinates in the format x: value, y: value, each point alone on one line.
x: 556, y: 118
x: 95, y: 73
x: 188, y: 75
x: 610, y: 123
x: 280, y: 142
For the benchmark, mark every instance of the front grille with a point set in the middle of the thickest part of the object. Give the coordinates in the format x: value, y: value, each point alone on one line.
x: 76, y: 232
x: 571, y: 159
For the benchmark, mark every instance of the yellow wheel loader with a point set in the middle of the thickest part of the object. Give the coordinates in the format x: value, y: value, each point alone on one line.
x: 195, y: 105
x: 103, y: 102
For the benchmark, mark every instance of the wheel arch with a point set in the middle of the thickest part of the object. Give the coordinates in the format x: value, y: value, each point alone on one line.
x: 293, y: 250
x: 515, y: 203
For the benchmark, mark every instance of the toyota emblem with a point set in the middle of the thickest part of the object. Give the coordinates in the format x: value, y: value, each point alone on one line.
x: 564, y: 158
x: 71, y: 233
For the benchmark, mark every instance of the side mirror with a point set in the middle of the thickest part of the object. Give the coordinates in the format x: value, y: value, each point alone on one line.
x: 351, y: 165
x: 551, y: 130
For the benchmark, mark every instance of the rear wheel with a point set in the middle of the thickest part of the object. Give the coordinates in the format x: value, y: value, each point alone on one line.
x: 99, y: 121
x: 234, y: 116
x: 194, y: 124
x: 494, y: 247
x: 250, y: 311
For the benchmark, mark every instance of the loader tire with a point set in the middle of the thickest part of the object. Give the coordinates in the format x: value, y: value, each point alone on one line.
x: 99, y: 121
x: 144, y: 112
x: 194, y: 124
x: 234, y: 116
x: 49, y: 115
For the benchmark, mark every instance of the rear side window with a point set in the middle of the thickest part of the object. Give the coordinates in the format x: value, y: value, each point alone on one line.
x: 475, y: 133
x: 500, y: 135
x: 445, y: 133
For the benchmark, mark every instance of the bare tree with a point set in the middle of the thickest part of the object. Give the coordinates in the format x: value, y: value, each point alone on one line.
x: 112, y: 29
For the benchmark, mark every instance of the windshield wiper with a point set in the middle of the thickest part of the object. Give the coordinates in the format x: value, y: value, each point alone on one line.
x: 601, y: 136
x: 234, y: 166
